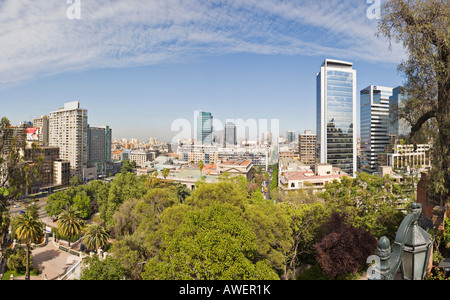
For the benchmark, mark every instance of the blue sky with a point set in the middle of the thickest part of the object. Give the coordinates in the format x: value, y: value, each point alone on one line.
x: 139, y: 65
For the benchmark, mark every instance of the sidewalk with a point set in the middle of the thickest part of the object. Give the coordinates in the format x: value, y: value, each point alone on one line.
x: 51, y: 262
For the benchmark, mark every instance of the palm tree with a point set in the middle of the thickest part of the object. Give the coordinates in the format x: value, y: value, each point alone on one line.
x: 96, y: 237
x: 201, y: 165
x: 165, y: 172
x: 28, y: 230
x: 69, y: 223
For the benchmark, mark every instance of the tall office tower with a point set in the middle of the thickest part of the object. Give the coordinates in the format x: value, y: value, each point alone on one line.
x: 397, y: 128
x: 336, y: 115
x: 99, y: 147
x: 99, y: 140
x: 43, y: 124
x: 374, y: 125
x: 204, y: 122
x: 307, y: 147
x: 68, y: 131
x: 230, y: 134
x: 290, y: 136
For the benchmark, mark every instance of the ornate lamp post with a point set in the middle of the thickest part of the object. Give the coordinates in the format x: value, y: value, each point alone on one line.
x: 411, y: 251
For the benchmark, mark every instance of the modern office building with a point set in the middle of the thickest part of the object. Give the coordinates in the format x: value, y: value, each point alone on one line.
x: 336, y: 115
x: 290, y: 135
x: 99, y: 147
x: 43, y: 124
x: 397, y: 127
x: 307, y: 147
x: 230, y: 134
x: 68, y: 131
x: 204, y: 127
x: 374, y: 125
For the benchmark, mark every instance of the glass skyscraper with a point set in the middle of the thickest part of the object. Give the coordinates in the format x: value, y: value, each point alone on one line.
x: 397, y: 128
x: 204, y: 124
x: 374, y: 125
x: 336, y: 115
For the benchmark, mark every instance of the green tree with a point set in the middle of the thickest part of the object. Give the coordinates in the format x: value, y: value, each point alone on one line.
x: 75, y: 181
x: 28, y: 230
x: 305, y: 221
x: 212, y: 243
x: 367, y: 201
x: 102, y: 269
x: 165, y: 172
x: 17, y: 175
x: 95, y: 237
x: 422, y: 28
x: 201, y: 165
x: 69, y: 223
x: 271, y: 226
x: 57, y: 202
x: 129, y: 258
x: 82, y: 203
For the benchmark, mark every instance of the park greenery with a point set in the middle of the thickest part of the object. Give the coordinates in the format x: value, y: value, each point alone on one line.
x: 228, y: 229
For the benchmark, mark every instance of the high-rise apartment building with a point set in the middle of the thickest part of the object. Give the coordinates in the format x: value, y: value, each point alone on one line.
x: 307, y: 147
x: 230, y: 134
x: 68, y: 131
x: 204, y: 130
x: 374, y: 125
x: 336, y: 115
x: 43, y: 124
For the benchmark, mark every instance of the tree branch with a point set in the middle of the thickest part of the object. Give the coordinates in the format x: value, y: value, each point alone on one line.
x: 416, y: 127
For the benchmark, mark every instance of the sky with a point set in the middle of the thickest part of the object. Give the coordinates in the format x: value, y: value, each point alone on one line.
x: 140, y: 65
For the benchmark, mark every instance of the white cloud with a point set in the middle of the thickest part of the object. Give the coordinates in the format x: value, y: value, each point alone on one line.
x: 37, y: 38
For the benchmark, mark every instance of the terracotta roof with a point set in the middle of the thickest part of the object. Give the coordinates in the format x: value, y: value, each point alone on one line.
x: 239, y: 162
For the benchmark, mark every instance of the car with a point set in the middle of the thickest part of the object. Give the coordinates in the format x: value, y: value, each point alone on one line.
x: 16, y: 205
x: 21, y: 212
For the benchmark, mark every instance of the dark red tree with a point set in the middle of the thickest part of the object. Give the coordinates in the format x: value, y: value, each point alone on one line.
x: 344, y: 249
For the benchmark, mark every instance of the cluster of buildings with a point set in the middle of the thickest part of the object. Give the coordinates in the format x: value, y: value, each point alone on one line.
x: 379, y: 150
x: 72, y: 147
x: 67, y: 145
x: 312, y: 159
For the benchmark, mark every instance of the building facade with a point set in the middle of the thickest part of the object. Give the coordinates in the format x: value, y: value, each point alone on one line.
x: 290, y: 135
x: 374, y: 125
x: 307, y: 147
x: 230, y: 134
x: 99, y: 147
x: 336, y: 115
x: 204, y: 129
x: 397, y: 127
x: 68, y: 131
x: 43, y: 124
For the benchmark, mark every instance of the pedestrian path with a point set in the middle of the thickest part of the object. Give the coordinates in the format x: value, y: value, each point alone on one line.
x: 51, y: 262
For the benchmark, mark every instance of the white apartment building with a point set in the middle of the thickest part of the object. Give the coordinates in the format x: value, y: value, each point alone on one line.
x: 68, y: 131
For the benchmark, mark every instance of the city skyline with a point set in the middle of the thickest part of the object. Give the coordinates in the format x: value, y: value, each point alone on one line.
x: 263, y: 73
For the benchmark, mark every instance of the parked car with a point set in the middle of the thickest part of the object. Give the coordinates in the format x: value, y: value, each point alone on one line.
x: 16, y: 205
x: 21, y: 212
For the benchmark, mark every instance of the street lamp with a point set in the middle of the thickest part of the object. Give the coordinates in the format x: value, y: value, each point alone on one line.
x: 411, y: 251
